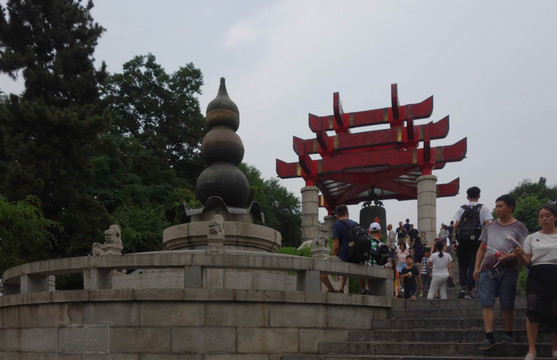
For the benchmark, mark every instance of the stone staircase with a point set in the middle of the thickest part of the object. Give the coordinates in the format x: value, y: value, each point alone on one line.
x: 449, y: 329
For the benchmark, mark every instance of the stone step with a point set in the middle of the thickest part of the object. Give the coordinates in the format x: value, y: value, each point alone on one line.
x: 472, y: 324
x: 454, y: 313
x: 450, y: 329
x: 403, y: 357
x: 447, y: 335
x: 432, y: 348
x: 520, y: 303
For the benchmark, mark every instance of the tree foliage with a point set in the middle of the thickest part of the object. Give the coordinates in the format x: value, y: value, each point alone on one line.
x: 280, y: 207
x: 52, y: 43
x: 24, y: 232
x: 160, y: 110
x: 49, y: 132
x: 529, y: 198
x: 80, y: 149
x: 150, y: 156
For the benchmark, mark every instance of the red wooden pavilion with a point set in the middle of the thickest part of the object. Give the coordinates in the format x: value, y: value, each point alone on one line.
x: 376, y: 164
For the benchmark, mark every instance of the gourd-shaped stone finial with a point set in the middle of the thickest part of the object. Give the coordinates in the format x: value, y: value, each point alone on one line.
x: 223, y: 150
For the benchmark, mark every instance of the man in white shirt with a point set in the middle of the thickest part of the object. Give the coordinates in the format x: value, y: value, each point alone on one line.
x: 466, y: 243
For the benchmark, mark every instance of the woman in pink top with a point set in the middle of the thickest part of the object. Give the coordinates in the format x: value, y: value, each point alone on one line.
x: 401, y: 255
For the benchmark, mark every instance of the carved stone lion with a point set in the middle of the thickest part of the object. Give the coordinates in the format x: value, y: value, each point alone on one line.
x: 112, y: 242
x: 216, y: 225
x: 113, y: 235
x: 322, y: 237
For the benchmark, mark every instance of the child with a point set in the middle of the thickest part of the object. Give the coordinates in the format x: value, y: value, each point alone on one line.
x: 409, y: 274
x: 374, y: 231
x: 425, y: 272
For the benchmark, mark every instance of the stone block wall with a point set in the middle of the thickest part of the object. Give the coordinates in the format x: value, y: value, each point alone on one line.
x: 185, y: 324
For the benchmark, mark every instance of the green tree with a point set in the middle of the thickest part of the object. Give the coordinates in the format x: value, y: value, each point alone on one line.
x: 49, y: 132
x: 52, y: 43
x: 24, y: 232
x: 161, y: 111
x: 143, y: 207
x: 150, y: 157
x: 529, y: 198
x: 280, y: 207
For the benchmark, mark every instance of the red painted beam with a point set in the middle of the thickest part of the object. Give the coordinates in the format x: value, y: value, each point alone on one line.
x: 347, y: 163
x: 288, y: 170
x: 373, y: 179
x: 420, y: 110
x: 369, y: 140
x: 394, y: 101
x: 449, y: 189
x: 409, y: 193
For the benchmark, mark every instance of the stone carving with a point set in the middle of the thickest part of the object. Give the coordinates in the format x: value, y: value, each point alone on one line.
x: 215, y: 239
x: 320, y: 245
x: 216, y: 226
x: 112, y: 242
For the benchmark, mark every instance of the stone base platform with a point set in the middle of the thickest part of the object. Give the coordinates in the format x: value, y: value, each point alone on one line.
x: 185, y: 324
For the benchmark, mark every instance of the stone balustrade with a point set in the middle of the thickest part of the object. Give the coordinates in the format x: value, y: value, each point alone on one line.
x: 196, y: 322
x: 98, y: 270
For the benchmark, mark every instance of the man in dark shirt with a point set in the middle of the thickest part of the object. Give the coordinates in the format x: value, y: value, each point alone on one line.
x: 413, y: 234
x: 400, y: 233
x: 451, y: 229
x: 341, y: 238
x: 407, y: 225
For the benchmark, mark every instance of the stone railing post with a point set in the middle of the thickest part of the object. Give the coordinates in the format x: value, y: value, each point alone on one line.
x: 34, y: 283
x: 308, y: 281
x: 95, y: 278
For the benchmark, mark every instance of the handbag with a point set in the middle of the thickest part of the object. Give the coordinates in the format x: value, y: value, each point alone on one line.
x: 450, y: 281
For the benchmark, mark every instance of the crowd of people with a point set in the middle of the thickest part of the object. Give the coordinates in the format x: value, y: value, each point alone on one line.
x: 489, y: 253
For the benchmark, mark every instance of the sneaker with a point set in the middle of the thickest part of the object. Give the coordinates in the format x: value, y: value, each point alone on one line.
x: 363, y: 291
x: 461, y: 294
x: 507, y: 340
x: 487, y: 344
x: 530, y: 356
x: 469, y: 295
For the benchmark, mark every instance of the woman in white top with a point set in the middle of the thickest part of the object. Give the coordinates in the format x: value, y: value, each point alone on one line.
x: 540, y: 254
x: 441, y: 263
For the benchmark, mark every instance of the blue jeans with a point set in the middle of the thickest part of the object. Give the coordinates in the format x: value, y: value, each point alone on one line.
x: 503, y: 286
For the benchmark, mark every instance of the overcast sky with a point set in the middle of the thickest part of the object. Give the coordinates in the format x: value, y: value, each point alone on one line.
x: 490, y: 66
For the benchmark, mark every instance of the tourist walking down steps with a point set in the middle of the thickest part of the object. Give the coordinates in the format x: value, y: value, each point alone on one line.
x: 497, y: 269
x: 540, y: 256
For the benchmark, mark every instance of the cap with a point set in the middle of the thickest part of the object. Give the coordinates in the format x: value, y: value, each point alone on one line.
x: 374, y: 227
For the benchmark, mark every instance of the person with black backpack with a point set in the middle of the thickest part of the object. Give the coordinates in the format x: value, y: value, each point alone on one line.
x: 341, y: 239
x: 469, y: 221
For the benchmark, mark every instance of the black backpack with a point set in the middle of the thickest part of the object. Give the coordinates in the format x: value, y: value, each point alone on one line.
x: 359, y: 243
x: 381, y: 255
x: 470, y: 226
